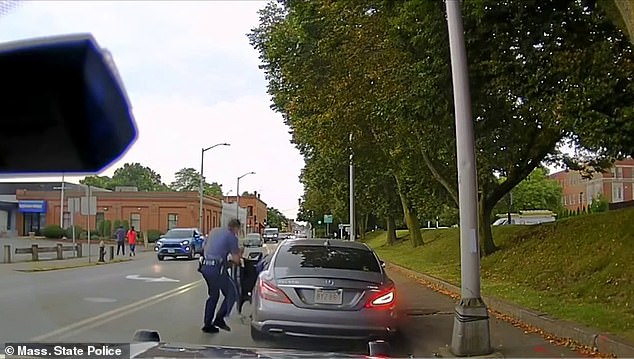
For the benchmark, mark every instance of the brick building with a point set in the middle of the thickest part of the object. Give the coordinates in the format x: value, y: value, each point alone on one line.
x: 34, y: 209
x: 256, y: 211
x: 615, y: 185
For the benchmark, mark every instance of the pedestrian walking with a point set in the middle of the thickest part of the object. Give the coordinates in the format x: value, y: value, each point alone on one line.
x: 121, y: 235
x: 217, y: 247
x: 132, y: 241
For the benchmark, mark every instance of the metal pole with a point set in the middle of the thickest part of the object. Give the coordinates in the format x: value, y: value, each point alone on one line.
x: 88, y: 218
x: 510, y: 206
x: 353, y: 236
x: 72, y: 225
x: 471, y: 334
x: 61, y: 208
x: 238, y: 200
x: 200, y: 191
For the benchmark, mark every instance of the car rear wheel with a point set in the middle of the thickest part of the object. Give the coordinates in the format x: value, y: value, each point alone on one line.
x: 258, y: 336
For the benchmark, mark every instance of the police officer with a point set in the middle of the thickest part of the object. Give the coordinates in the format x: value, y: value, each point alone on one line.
x: 218, y: 246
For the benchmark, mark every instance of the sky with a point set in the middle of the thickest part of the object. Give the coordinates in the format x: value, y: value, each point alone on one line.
x: 193, y: 81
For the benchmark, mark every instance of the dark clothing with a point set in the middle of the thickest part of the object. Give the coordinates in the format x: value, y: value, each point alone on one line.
x: 217, y: 247
x: 218, y: 280
x: 121, y: 234
x: 121, y: 246
x: 222, y: 243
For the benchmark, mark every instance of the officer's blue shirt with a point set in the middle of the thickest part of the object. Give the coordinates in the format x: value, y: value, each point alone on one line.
x: 223, y: 243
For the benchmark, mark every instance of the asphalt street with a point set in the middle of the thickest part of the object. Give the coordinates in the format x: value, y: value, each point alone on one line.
x: 108, y: 303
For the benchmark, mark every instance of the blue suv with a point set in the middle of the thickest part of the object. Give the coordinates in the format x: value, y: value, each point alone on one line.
x: 179, y: 242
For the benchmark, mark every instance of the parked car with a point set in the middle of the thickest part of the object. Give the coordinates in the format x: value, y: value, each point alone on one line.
x: 179, y: 242
x: 324, y: 288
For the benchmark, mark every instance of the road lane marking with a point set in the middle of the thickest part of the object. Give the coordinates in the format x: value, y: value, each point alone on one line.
x: 100, y: 300
x: 122, y: 314
x: 116, y: 313
x: 150, y: 279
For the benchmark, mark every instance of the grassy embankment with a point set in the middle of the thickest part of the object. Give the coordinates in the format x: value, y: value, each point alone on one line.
x: 580, y: 269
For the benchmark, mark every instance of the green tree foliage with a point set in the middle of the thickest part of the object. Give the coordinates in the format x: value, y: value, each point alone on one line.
x: 541, y: 73
x: 537, y: 191
x: 275, y: 219
x: 131, y: 174
x: 188, y: 180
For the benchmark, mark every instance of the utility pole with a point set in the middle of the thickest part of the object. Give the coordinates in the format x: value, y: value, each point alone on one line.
x: 61, y: 205
x: 353, y: 236
x: 201, y: 184
x: 238, y: 195
x: 471, y: 335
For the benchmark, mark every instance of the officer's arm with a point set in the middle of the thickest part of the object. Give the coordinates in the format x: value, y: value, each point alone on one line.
x: 236, y: 254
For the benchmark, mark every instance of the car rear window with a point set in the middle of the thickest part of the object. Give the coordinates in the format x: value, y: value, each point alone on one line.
x: 311, y: 256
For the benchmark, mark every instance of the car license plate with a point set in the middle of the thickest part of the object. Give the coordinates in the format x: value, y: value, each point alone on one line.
x: 323, y: 296
x: 170, y: 251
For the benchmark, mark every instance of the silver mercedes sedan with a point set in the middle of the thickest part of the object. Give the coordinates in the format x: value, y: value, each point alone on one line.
x: 324, y: 288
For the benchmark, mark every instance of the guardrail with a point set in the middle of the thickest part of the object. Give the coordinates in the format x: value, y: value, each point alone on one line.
x: 35, y: 251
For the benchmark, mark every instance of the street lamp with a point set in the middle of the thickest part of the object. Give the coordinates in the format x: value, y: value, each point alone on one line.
x: 238, y: 194
x: 200, y: 189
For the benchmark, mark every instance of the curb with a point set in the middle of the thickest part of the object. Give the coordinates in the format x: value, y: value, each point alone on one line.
x: 70, y: 266
x: 593, y: 338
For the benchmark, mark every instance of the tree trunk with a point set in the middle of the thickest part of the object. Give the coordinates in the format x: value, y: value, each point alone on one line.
x: 410, y: 218
x: 484, y: 228
x: 412, y: 222
x: 391, y: 230
x: 364, y: 226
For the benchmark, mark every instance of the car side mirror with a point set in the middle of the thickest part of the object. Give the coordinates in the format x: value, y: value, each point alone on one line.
x: 382, y: 263
x: 162, y: 236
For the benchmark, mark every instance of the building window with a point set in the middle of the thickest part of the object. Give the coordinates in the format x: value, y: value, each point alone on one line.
x: 619, y: 172
x: 617, y: 192
x: 100, y: 217
x: 250, y: 211
x: 135, y: 221
x: 172, y: 221
x: 66, y: 220
x: 613, y: 171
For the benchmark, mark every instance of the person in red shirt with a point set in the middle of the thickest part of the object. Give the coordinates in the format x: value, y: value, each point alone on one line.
x: 132, y: 241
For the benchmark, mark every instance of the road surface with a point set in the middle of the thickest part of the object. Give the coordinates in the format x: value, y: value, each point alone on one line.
x: 108, y: 303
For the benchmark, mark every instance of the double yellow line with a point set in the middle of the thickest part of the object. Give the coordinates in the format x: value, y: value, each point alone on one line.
x: 101, y: 319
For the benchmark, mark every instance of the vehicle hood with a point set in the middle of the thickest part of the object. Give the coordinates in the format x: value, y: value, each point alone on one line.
x: 178, y: 350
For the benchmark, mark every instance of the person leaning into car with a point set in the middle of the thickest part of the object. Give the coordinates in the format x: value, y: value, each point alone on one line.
x: 217, y: 247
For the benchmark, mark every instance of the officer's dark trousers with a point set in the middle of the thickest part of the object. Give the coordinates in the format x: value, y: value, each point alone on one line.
x: 218, y: 280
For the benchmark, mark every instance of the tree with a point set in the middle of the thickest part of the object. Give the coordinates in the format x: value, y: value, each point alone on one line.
x: 188, y: 180
x: 382, y: 72
x: 139, y: 176
x: 131, y: 174
x: 98, y: 181
x: 537, y: 191
x: 275, y: 219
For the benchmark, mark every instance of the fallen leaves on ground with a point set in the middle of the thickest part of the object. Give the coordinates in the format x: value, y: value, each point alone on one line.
x: 584, y: 350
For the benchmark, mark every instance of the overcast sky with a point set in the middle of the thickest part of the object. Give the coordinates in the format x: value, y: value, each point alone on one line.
x: 193, y: 81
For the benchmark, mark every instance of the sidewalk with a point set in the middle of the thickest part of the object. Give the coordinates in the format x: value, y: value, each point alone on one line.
x: 428, y: 324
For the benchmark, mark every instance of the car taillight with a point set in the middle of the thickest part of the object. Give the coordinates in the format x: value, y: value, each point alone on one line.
x: 384, y: 299
x: 270, y: 292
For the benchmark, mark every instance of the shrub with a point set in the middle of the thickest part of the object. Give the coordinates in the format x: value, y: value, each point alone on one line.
x: 153, y: 235
x: 53, y: 231
x: 104, y: 228
x: 69, y: 231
